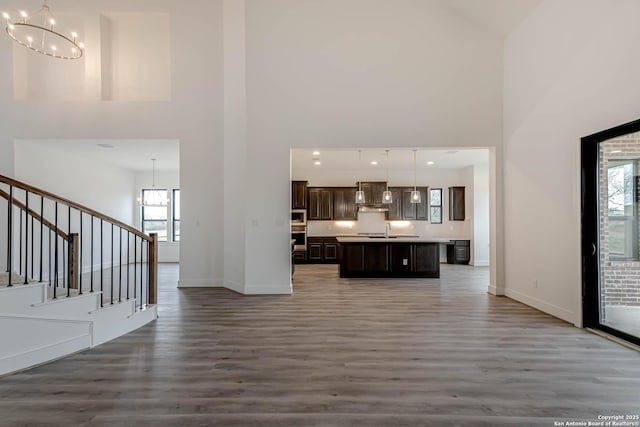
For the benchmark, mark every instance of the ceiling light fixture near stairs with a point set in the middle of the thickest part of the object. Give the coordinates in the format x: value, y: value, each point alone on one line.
x: 153, y: 197
x: 39, y: 32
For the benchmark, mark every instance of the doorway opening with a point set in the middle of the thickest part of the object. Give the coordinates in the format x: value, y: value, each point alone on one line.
x: 113, y: 177
x: 457, y: 188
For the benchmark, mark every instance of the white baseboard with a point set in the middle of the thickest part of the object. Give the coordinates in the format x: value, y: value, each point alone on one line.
x: 480, y: 263
x: 44, y: 355
x: 40, y: 340
x: 554, y: 310
x: 201, y: 283
x: 234, y: 286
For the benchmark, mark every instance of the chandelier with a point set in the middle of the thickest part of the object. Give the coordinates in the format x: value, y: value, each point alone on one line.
x: 153, y: 197
x: 38, y: 31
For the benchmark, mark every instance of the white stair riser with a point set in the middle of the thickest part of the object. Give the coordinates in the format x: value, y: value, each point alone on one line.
x: 18, y: 299
x: 33, y: 331
x: 32, y: 341
x: 75, y: 307
x: 108, y: 326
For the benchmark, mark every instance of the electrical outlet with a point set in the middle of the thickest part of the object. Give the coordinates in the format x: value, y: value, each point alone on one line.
x: 405, y: 261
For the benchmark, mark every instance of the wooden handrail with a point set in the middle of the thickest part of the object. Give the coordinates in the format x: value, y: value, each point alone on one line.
x: 35, y: 215
x: 37, y: 191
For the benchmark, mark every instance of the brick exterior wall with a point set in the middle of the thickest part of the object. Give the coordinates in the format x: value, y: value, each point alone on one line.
x: 620, y: 280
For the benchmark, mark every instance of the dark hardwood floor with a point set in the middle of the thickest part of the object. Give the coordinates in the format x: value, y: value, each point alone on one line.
x: 338, y: 352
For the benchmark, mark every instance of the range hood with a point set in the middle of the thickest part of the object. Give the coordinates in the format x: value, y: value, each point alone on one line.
x: 372, y: 208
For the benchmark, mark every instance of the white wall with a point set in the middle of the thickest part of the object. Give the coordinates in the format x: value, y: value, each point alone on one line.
x: 193, y: 115
x: 335, y: 73
x: 570, y: 70
x: 359, y: 73
x: 235, y: 146
x: 168, y: 251
x: 481, y: 216
x: 106, y: 188
x: 136, y: 56
x: 97, y: 185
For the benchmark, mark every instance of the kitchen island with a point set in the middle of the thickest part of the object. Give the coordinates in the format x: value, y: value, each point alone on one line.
x: 392, y: 256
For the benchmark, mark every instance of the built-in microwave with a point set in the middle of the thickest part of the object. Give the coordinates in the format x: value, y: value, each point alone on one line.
x: 298, y: 217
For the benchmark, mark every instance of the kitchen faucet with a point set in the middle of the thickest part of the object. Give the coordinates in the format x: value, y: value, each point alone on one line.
x: 387, y: 229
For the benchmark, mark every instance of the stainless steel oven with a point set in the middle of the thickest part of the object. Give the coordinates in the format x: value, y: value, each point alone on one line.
x: 299, y: 228
x: 299, y: 234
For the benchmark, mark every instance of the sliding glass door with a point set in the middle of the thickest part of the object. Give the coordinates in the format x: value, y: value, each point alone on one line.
x: 610, y: 257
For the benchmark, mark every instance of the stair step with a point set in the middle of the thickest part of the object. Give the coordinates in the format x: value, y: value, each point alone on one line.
x: 62, y: 292
x: 16, y: 279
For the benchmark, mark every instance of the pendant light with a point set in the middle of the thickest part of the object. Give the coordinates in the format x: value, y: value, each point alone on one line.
x: 386, y: 195
x: 153, y: 197
x: 415, y: 194
x: 359, y: 194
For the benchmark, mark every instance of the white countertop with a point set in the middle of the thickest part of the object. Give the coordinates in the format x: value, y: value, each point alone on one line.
x: 391, y: 239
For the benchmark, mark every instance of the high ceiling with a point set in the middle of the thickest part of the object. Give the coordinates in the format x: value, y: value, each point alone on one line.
x: 345, y: 159
x: 500, y: 16
x: 132, y: 154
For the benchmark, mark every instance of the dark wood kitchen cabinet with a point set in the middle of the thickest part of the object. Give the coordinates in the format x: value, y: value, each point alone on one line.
x: 414, y: 211
x: 373, y: 192
x: 427, y: 260
x: 344, y: 204
x: 392, y: 259
x: 322, y: 250
x: 459, y: 252
x: 401, y: 258
x: 395, y: 207
x: 351, y: 259
x: 320, y: 203
x: 376, y: 258
x: 330, y: 250
x: 314, y: 249
x: 456, y: 204
x: 298, y: 194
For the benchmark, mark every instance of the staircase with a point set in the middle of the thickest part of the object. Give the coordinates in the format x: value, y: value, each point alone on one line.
x: 71, y: 278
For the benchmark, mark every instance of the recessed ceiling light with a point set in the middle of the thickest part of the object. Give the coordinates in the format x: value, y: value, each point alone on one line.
x: 103, y: 145
x: 452, y: 151
x: 374, y: 163
x: 317, y: 163
x: 430, y: 163
x: 316, y: 153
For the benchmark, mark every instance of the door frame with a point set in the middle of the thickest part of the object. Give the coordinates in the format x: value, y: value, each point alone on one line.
x: 590, y: 215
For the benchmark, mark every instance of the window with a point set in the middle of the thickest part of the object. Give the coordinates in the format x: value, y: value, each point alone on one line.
x: 154, y: 213
x: 622, y: 210
x: 435, y: 201
x: 176, y: 215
